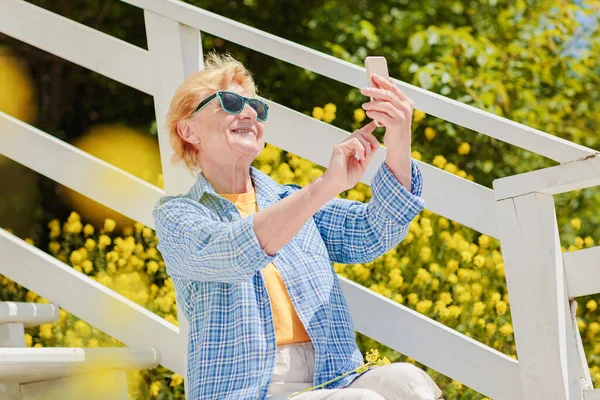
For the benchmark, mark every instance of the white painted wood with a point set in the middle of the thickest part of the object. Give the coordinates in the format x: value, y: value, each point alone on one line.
x: 24, y: 365
x: 91, y: 301
x: 432, y: 343
x: 302, y: 56
x: 563, y: 178
x: 171, y: 63
x: 77, y: 43
x: 586, y: 380
x: 110, y: 384
x: 582, y: 271
x: 73, y: 168
x: 30, y: 314
x: 548, y: 361
x: 591, y: 394
x: 445, y: 194
x: 12, y: 334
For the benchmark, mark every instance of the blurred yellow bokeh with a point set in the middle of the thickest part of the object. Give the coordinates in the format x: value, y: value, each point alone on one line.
x: 126, y: 148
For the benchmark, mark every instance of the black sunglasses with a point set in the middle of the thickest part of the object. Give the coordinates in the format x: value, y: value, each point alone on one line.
x: 233, y: 103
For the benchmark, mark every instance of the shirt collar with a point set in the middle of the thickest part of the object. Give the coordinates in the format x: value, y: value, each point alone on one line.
x: 267, y: 190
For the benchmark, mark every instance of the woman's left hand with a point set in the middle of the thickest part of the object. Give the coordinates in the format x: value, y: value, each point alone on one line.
x: 393, y: 109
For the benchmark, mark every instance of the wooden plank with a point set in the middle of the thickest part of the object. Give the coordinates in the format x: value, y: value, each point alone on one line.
x: 77, y: 43
x: 548, y: 359
x: 74, y: 168
x: 91, y: 301
x: 442, y: 107
x: 175, y: 54
x: 582, y: 271
x: 24, y: 365
x: 29, y: 314
x: 481, y: 367
x: 446, y: 194
x: 579, y: 174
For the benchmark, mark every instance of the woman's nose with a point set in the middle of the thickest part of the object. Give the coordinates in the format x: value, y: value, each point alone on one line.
x: 248, y: 112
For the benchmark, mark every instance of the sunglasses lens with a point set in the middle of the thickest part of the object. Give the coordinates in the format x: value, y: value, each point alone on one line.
x: 231, y: 102
x: 260, y: 109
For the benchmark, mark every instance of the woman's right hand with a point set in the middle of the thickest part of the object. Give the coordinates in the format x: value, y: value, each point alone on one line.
x: 345, y: 170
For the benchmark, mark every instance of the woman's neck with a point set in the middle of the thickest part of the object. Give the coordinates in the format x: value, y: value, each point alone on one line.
x: 228, y: 178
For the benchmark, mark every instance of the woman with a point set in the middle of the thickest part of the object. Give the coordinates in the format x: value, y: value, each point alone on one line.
x: 251, y: 259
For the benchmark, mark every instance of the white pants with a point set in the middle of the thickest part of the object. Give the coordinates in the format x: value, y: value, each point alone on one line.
x: 294, y: 368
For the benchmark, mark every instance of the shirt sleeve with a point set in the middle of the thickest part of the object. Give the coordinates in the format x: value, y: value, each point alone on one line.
x: 195, y: 246
x: 355, y: 232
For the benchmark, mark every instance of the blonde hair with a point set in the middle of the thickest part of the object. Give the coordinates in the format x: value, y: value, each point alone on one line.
x: 220, y: 71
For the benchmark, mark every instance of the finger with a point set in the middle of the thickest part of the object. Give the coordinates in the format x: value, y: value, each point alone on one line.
x: 373, y: 142
x: 381, y: 94
x: 390, y: 85
x: 368, y: 128
x: 384, y: 107
x: 380, y: 117
x: 360, y: 152
x: 366, y: 145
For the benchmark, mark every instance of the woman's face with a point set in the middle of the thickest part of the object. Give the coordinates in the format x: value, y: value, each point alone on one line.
x: 228, y: 137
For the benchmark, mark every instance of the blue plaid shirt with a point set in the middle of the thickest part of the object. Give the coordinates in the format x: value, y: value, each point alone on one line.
x: 216, y: 262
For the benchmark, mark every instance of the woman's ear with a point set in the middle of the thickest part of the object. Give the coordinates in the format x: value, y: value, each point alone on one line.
x: 186, y: 131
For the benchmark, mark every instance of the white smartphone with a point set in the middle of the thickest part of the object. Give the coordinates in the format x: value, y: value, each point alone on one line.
x: 378, y: 65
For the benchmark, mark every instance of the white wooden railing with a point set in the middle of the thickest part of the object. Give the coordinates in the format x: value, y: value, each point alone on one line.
x: 551, y: 364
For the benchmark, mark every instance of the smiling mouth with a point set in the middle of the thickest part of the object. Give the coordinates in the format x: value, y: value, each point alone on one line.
x: 243, y: 131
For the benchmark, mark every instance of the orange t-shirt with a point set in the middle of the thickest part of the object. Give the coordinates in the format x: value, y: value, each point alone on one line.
x: 288, y: 327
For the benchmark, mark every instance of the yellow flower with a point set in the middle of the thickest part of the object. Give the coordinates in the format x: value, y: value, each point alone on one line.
x: 443, y: 223
x: 372, y: 355
x: 152, y: 267
x: 439, y: 161
x: 589, y: 242
x: 484, y: 241
x: 93, y: 343
x: 46, y: 331
x: 76, y: 257
x: 83, y: 329
x: 464, y: 148
x: 479, y: 261
x: 429, y: 133
x: 457, y: 385
x: 155, y: 388
x: 451, y: 168
x: 176, y: 380
x: 501, y: 307
x: 73, y: 217
x: 478, y: 308
x: 576, y: 223
x: 423, y: 306
x: 579, y: 242
x: 318, y: 113
x: 109, y: 225
x: 592, y: 305
x: 418, y: 115
x: 172, y: 319
x: 413, y: 299
x: 103, y: 241
x: 88, y: 230
x: 90, y: 244
x: 416, y: 155
x: 425, y: 253
x: 490, y: 329
x: 87, y: 266
x: 28, y: 340
x: 330, y: 108
x: 506, y: 329
x: 455, y: 311
x: 446, y: 298
x: 54, y: 247
x: 359, y: 115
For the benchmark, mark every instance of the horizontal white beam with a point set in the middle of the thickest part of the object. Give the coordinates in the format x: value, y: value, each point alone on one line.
x: 433, y: 344
x: 446, y: 194
x: 578, y: 174
x: 78, y: 170
x: 583, y: 271
x: 442, y: 107
x: 91, y: 301
x: 29, y: 314
x: 77, y: 43
x: 24, y: 365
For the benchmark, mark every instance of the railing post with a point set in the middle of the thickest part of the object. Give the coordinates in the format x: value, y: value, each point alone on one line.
x: 546, y: 339
x: 176, y: 52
